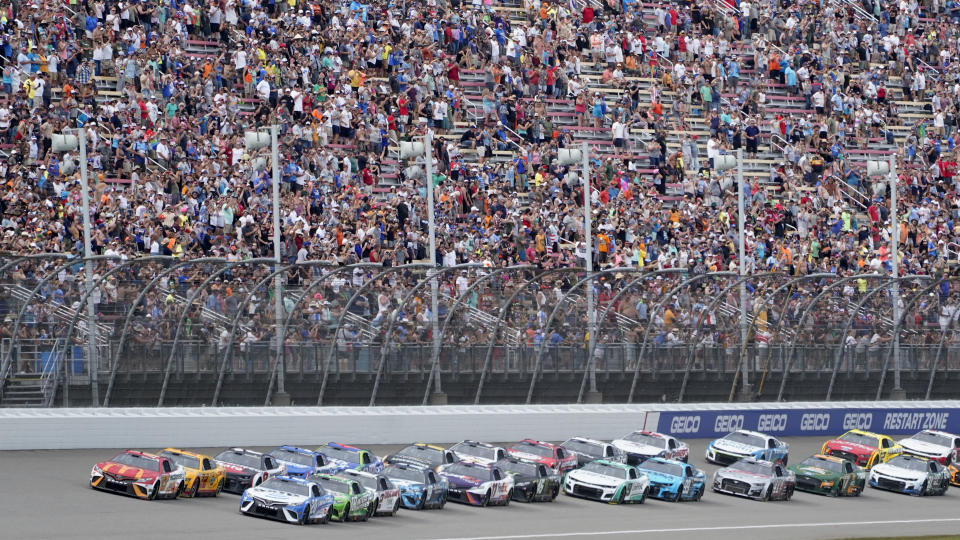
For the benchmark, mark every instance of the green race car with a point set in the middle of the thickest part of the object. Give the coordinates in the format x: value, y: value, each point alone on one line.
x: 350, y: 500
x: 830, y: 475
x: 607, y: 481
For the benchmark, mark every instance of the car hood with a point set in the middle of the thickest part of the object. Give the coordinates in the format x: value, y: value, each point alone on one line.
x: 274, y: 496
x: 529, y: 457
x: 735, y: 447
x: 846, y: 446
x: 899, y: 472
x: 337, y: 465
x: 595, y: 479
x: 637, y: 448
x: 406, y: 484
x: 663, y: 478
x: 125, y: 472
x: 925, y: 447
x: 742, y: 475
x: 231, y: 468
x: 814, y: 472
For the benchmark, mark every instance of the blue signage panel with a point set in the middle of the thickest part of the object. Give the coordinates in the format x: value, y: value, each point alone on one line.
x: 797, y: 422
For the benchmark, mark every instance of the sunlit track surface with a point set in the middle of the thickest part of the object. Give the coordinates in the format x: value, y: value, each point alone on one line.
x: 47, y: 496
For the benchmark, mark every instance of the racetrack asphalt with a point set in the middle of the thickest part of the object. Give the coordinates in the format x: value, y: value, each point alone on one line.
x: 47, y: 496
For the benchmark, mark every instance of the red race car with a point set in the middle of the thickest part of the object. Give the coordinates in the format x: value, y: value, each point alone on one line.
x: 553, y: 456
x: 141, y: 475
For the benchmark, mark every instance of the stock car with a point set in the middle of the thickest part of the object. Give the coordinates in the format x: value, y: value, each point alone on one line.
x: 341, y: 457
x: 911, y: 475
x: 477, y: 485
x: 350, y: 500
x: 478, y: 452
x: 588, y: 450
x: 864, y: 448
x: 386, y: 495
x: 553, y: 456
x: 673, y: 480
x: 420, y: 486
x: 829, y: 475
x: 607, y: 481
x: 288, y: 499
x: 532, y: 482
x: 202, y: 475
x: 740, y: 444
x: 641, y: 445
x: 141, y: 475
x: 246, y: 468
x: 298, y: 462
x: 421, y: 453
x: 954, y: 469
x: 931, y: 444
x: 756, y: 479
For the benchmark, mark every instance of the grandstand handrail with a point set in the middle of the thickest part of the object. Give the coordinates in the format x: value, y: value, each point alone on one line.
x: 846, y: 189
x: 857, y: 9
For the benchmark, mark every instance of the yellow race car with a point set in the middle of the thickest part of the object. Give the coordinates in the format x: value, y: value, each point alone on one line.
x: 864, y: 448
x: 202, y: 475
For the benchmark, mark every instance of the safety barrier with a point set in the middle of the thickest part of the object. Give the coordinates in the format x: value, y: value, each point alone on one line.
x: 25, y: 429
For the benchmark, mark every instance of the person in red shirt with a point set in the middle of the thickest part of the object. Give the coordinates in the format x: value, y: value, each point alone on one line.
x: 453, y: 73
x: 587, y: 14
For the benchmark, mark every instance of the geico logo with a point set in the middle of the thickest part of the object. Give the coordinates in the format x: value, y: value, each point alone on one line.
x: 815, y: 422
x: 728, y: 422
x: 685, y: 424
x: 772, y: 422
x: 857, y: 421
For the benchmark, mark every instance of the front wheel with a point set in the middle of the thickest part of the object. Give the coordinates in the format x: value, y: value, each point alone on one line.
x: 923, y: 490
x: 155, y: 492
x: 486, y: 500
x: 305, y: 518
x: 196, y: 488
x: 345, y: 515
x: 506, y: 502
x: 396, y: 506
x: 699, y: 494
x: 179, y: 491
x: 326, y: 517
x: 676, y: 498
x: 219, y: 488
x: 767, y: 494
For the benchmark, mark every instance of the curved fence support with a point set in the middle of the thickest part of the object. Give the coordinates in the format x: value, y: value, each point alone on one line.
x: 652, y: 313
x: 435, y: 360
x: 353, y: 298
x: 189, y: 306
x: 433, y: 274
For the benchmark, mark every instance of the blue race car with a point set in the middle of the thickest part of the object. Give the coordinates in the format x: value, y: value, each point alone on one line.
x: 420, y: 486
x: 673, y: 480
x: 298, y: 462
x: 288, y: 499
x: 341, y: 457
x: 740, y: 444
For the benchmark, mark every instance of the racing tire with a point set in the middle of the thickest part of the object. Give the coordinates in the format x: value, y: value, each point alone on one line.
x: 155, y: 492
x: 217, y: 491
x: 530, y: 496
x: 486, y: 500
x: 506, y: 502
x: 678, y: 496
x: 179, y: 491
x: 443, y: 502
x: 305, y: 518
x: 326, y: 517
x: 346, y: 514
x: 396, y: 507
x: 422, y: 503
x: 555, y: 494
x: 699, y: 494
x: 619, y: 498
x: 767, y: 494
x: 196, y: 488
x: 365, y: 516
x: 923, y: 489
x: 789, y: 494
x: 373, y: 508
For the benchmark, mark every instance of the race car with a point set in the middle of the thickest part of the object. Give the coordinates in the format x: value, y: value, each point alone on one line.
x: 673, y: 480
x: 532, y: 482
x: 641, y: 445
x: 740, y: 444
x: 141, y: 475
x: 421, y: 453
x: 340, y: 457
x: 829, y: 475
x: 864, y: 448
x: 607, y: 481
x: 289, y: 499
x: 386, y: 495
x: 478, y: 452
x: 202, y: 475
x: 298, y: 462
x: 350, y: 500
x: 246, y: 468
x: 936, y: 445
x: 911, y: 475
x: 588, y: 450
x: 954, y: 469
x: 477, y: 485
x: 551, y: 455
x: 755, y: 479
x: 420, y: 486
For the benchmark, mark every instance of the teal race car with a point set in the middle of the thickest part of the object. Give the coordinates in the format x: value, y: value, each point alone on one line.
x: 607, y: 481
x: 350, y: 500
x: 672, y: 480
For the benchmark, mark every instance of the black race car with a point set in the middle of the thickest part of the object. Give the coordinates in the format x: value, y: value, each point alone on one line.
x: 420, y: 454
x: 532, y: 482
x: 246, y: 468
x: 588, y: 450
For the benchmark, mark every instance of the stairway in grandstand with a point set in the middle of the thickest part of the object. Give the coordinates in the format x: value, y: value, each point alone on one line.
x: 33, y: 386
x: 62, y: 313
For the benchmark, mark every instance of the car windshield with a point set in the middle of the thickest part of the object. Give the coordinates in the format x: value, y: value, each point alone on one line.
x: 467, y: 449
x: 932, y: 438
x: 825, y: 464
x: 583, y: 447
x: 661, y: 467
x: 519, y: 467
x: 461, y: 469
x: 422, y: 452
x: 333, y: 485
x: 751, y: 467
x: 292, y: 457
x: 530, y: 448
x: 286, y: 486
x: 244, y: 460
x: 857, y: 438
x: 646, y: 439
x: 745, y: 438
x: 909, y: 463
x: 140, y: 462
x: 336, y: 453
x: 606, y: 470
x: 187, y: 462
x: 414, y: 475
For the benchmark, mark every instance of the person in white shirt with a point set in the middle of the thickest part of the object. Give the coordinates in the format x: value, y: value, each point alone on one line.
x: 263, y: 90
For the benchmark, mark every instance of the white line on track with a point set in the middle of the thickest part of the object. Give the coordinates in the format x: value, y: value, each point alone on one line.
x: 704, y: 529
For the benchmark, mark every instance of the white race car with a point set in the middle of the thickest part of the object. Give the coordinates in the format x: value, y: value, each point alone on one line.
x: 288, y: 499
x: 386, y: 494
x: 936, y: 445
x: 642, y: 445
x: 607, y: 481
x: 911, y: 475
x: 741, y: 444
x: 478, y: 452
